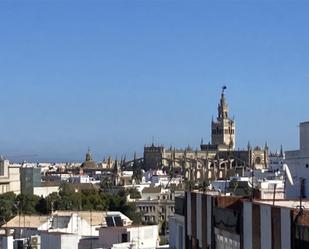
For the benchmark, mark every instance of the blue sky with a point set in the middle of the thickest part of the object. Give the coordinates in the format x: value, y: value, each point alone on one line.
x: 113, y: 74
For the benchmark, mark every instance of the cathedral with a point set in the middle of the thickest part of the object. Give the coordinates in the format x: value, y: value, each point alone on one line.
x: 216, y: 160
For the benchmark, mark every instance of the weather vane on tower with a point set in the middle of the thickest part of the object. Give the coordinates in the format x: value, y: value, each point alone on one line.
x: 224, y: 88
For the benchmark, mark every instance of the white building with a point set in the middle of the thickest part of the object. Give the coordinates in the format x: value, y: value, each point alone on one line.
x: 298, y: 163
x: 45, y: 190
x: 79, y: 230
x: 125, y: 237
x: 271, y: 189
x: 80, y: 179
x: 159, y: 178
x: 81, y: 223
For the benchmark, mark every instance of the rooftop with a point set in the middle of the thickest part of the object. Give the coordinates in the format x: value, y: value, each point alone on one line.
x: 284, y: 203
x: 304, y: 123
x: 30, y: 221
x: 95, y: 218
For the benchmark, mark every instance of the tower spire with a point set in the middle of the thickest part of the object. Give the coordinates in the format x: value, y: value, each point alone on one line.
x: 223, y: 129
x: 249, y: 146
x: 266, y: 146
x: 223, y: 107
x: 281, y: 151
x: 88, y: 155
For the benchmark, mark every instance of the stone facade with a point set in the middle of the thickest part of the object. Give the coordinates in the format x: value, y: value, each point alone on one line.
x: 223, y: 129
x: 216, y: 160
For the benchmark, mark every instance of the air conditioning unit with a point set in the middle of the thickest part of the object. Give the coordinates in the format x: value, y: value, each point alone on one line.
x: 35, y: 242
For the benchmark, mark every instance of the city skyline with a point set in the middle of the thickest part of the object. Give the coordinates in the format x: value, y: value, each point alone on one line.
x: 112, y: 76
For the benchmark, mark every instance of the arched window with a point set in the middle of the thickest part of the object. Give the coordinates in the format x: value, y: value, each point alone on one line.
x: 198, y: 174
x: 220, y: 174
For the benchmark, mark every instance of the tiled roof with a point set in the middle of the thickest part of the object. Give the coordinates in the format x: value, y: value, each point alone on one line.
x: 30, y: 221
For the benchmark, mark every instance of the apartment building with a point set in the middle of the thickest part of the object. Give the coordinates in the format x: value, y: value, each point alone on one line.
x: 9, y: 177
x: 212, y: 221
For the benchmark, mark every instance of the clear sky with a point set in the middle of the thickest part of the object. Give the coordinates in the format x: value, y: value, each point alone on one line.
x: 113, y: 74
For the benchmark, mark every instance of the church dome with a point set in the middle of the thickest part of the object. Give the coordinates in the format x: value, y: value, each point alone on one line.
x: 89, y: 163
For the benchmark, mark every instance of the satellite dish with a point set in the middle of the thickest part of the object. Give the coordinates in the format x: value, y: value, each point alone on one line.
x: 288, y: 173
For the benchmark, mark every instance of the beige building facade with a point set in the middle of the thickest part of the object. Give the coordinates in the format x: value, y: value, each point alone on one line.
x: 9, y: 177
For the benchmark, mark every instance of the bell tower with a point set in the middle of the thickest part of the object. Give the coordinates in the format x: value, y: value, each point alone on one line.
x: 223, y: 129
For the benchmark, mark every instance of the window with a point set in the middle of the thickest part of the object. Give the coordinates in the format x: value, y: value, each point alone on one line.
x: 220, y: 174
x: 124, y: 237
x: 307, y: 165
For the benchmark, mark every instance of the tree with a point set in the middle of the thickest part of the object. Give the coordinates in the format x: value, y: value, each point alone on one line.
x: 119, y: 203
x: 130, y: 211
x: 27, y: 203
x: 7, y: 207
x: 66, y: 189
x: 134, y: 193
x: 52, y: 202
x: 68, y: 199
x: 41, y: 207
x: 137, y: 174
x: 106, y: 183
x: 92, y: 199
x: 72, y: 201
